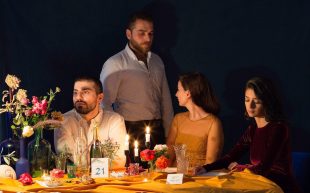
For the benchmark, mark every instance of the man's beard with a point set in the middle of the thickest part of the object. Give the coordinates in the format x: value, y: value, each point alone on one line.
x: 83, y: 109
x: 139, y: 48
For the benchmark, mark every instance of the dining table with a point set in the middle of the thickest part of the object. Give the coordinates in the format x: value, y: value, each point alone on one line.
x: 156, y: 182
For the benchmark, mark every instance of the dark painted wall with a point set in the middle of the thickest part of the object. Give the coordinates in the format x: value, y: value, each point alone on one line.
x: 47, y: 44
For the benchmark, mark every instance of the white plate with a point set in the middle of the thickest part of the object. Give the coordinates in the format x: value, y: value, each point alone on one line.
x: 171, y: 170
x: 49, y: 184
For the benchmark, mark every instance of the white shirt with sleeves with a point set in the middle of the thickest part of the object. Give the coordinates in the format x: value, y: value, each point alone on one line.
x: 110, y: 125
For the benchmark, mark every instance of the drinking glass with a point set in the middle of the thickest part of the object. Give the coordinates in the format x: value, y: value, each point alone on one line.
x: 182, y: 159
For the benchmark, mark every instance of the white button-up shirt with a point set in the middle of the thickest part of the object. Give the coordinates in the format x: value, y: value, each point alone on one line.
x: 137, y: 92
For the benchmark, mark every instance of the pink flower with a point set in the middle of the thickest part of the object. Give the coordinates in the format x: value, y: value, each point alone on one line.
x: 25, y: 179
x: 34, y: 100
x: 24, y: 101
x: 57, y: 173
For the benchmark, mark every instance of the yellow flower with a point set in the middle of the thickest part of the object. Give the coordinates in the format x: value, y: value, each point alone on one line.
x: 27, y: 131
x: 57, y: 89
x: 12, y: 81
x: 21, y: 94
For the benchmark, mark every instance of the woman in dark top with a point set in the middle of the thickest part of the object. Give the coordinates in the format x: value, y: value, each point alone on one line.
x: 267, y: 138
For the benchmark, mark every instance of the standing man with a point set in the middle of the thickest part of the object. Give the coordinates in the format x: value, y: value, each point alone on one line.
x: 135, y: 84
x: 86, y: 115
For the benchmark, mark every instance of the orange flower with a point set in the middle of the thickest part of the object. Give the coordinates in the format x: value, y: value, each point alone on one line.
x: 161, y: 162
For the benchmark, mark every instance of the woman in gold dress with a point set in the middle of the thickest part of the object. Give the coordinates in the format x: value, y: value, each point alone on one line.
x: 199, y: 128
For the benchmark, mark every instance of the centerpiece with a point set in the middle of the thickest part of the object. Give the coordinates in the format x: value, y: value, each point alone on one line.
x: 29, y: 116
x: 156, y: 158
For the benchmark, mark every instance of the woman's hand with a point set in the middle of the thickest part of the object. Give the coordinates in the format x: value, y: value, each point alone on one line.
x: 235, y: 167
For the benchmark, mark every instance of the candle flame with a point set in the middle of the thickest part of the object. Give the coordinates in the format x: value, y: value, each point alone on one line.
x: 136, y: 144
x: 127, y: 137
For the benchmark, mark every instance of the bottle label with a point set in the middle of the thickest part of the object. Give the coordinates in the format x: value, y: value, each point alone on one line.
x: 99, y: 167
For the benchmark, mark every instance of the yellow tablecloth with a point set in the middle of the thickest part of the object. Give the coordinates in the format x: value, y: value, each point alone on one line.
x: 235, y: 182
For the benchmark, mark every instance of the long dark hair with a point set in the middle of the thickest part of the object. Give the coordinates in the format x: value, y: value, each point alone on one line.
x: 265, y: 90
x: 201, y: 91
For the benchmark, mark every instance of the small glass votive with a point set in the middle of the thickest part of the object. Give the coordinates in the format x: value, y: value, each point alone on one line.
x: 45, y: 175
x: 82, y: 171
x: 133, y: 169
x: 71, y: 171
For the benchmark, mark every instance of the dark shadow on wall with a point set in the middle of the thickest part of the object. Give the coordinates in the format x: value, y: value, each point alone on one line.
x: 234, y: 122
x: 165, y: 38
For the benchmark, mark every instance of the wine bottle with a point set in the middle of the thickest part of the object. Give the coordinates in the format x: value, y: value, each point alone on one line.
x: 95, y: 149
x: 128, y: 160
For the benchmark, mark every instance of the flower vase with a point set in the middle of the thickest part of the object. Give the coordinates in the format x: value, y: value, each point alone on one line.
x: 39, y: 154
x: 151, y: 168
x: 22, y: 164
x: 11, y: 143
x: 8, y: 146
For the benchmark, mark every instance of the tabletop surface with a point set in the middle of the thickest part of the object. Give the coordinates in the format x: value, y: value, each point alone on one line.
x: 156, y: 182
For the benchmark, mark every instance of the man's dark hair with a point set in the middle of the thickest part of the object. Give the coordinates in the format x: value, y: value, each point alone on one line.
x: 98, y: 85
x: 138, y: 15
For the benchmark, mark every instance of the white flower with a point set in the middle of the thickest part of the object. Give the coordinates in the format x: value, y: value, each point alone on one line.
x: 12, y: 81
x: 21, y: 94
x: 27, y: 131
x: 160, y: 147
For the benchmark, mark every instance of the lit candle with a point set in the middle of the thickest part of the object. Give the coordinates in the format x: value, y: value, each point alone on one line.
x: 127, y: 142
x: 136, y: 149
x: 147, y: 135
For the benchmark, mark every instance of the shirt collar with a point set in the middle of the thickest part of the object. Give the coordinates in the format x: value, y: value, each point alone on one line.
x: 98, y: 119
x: 133, y: 56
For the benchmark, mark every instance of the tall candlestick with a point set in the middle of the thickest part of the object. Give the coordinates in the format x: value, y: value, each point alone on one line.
x: 127, y: 142
x: 147, y: 135
x: 136, y: 149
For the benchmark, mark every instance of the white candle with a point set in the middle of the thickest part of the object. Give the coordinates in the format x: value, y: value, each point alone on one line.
x: 127, y: 142
x: 147, y: 134
x: 136, y: 149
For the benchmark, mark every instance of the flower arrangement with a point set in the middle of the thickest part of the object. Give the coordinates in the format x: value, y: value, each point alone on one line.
x: 157, y: 157
x: 109, y: 149
x: 28, y: 115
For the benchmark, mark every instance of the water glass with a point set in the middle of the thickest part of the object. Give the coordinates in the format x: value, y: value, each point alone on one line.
x: 182, y: 159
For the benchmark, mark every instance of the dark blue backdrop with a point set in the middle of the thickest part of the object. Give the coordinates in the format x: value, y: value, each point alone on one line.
x: 47, y: 43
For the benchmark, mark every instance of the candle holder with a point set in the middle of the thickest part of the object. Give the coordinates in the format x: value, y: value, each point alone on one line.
x: 128, y: 161
x: 148, y: 144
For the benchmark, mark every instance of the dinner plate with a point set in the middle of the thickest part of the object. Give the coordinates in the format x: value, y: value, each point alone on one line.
x: 170, y: 170
x: 49, y: 184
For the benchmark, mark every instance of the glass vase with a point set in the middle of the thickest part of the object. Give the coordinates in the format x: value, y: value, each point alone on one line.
x: 39, y: 154
x: 8, y: 146
x: 10, y: 143
x: 22, y: 164
x: 151, y: 167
